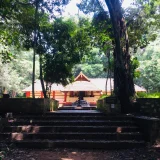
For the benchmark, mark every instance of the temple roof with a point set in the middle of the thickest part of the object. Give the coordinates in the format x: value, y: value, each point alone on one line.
x: 81, y: 86
x: 82, y: 77
x: 38, y: 87
x: 83, y: 83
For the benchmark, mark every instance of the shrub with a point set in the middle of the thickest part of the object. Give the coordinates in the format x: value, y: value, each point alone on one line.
x: 148, y: 95
x: 103, y: 96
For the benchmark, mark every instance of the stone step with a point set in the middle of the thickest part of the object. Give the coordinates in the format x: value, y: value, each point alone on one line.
x: 74, y: 122
x: 71, y: 117
x: 64, y: 113
x: 52, y: 129
x: 75, y: 113
x: 72, y: 135
x: 77, y: 108
x: 85, y: 144
x: 72, y: 128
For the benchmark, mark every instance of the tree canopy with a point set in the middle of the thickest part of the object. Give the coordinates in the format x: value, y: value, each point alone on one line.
x: 123, y: 75
x: 62, y: 43
x: 67, y: 42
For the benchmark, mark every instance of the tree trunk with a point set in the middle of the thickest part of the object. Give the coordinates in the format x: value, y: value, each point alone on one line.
x: 123, y: 78
x: 41, y: 76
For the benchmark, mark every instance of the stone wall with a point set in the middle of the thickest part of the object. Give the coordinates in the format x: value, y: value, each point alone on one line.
x: 147, y: 109
x: 27, y: 105
x: 149, y: 106
x: 108, y: 105
x: 150, y: 127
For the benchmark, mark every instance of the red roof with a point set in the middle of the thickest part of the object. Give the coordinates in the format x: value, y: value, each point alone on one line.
x: 82, y: 77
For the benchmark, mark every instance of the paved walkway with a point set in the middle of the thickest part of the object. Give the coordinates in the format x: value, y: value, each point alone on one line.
x: 78, y: 111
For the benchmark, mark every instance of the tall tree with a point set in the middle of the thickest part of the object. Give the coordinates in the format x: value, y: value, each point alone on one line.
x: 29, y: 27
x: 17, y: 74
x: 149, y: 59
x: 123, y: 77
x: 92, y: 65
x: 66, y: 43
x: 123, y: 80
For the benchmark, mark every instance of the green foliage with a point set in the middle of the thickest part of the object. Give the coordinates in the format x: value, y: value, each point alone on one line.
x: 149, y: 68
x: 139, y: 19
x: 134, y: 65
x: 67, y: 42
x: 92, y: 65
x: 90, y: 70
x: 142, y: 22
x: 103, y: 96
x: 89, y: 6
x: 17, y: 75
x: 53, y: 105
x: 148, y: 95
x: 102, y: 31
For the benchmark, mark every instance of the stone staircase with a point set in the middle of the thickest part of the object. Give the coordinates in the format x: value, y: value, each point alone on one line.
x: 73, y: 128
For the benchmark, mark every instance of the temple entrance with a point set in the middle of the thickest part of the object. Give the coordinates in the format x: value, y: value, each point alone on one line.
x: 81, y: 95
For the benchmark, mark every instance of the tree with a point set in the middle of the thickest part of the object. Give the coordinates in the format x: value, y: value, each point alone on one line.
x: 149, y: 68
x: 17, y: 74
x: 92, y: 64
x: 123, y: 77
x: 29, y: 27
x: 66, y: 43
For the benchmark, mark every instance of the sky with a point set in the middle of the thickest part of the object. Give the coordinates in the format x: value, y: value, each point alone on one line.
x: 71, y: 8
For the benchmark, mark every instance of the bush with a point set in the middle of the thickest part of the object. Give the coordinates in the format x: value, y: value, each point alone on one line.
x: 103, y: 96
x: 148, y: 95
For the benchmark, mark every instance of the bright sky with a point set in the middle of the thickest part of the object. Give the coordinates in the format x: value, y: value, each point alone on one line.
x: 71, y: 8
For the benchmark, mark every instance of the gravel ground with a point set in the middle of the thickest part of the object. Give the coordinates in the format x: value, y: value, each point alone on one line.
x: 81, y: 154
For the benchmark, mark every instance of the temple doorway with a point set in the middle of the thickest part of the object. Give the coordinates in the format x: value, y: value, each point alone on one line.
x: 81, y: 95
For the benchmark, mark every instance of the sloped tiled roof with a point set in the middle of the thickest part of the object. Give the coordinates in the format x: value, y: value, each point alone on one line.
x: 81, y: 86
x: 82, y: 77
x: 86, y: 84
x: 38, y: 87
x: 101, y: 84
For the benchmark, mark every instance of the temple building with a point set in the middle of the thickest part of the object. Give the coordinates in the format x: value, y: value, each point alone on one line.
x: 89, y: 89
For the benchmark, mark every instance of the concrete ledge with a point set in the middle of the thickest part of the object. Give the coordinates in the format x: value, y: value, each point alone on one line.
x: 150, y: 127
x: 108, y: 105
x: 26, y: 105
x: 149, y: 106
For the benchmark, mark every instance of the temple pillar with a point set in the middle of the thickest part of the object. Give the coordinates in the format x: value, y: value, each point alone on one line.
x: 65, y: 96
x: 42, y: 94
x: 27, y: 94
x: 53, y: 96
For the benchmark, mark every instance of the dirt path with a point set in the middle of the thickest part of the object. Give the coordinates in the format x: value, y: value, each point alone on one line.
x: 75, y: 154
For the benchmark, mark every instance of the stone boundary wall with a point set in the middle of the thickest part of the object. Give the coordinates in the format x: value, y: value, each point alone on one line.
x: 27, y: 105
x: 143, y: 106
x: 149, y: 106
x: 108, y: 105
x: 150, y: 127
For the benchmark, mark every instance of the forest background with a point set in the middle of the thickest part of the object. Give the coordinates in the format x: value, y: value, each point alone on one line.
x: 16, y: 62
